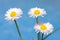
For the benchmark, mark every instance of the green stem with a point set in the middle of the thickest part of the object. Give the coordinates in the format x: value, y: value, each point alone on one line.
x: 42, y: 36
x: 38, y: 35
x: 37, y: 20
x: 18, y: 29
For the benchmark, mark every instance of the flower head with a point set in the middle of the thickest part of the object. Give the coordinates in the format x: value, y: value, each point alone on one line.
x: 13, y: 13
x: 45, y: 28
x: 35, y: 12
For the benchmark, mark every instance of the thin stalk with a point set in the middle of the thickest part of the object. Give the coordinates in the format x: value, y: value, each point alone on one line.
x: 38, y: 35
x: 42, y: 36
x: 18, y: 29
x: 37, y: 20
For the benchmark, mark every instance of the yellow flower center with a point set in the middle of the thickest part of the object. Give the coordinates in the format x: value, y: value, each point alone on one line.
x: 12, y: 14
x: 36, y: 12
x: 43, y: 27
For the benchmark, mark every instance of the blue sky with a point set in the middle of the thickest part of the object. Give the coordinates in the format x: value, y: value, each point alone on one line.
x: 7, y: 28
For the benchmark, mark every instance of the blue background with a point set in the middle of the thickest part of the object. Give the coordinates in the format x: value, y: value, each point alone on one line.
x: 7, y: 28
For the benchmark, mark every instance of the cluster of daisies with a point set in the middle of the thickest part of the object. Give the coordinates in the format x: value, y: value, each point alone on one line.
x: 44, y: 28
x: 15, y: 13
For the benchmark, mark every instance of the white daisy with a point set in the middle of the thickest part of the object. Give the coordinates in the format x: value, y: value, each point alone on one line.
x: 45, y: 28
x: 13, y: 13
x: 35, y: 12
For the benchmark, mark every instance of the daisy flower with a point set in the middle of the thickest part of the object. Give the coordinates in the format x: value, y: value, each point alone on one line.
x: 13, y: 13
x: 45, y: 28
x: 35, y: 12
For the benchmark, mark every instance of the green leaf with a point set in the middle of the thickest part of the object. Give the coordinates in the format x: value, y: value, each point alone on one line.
x: 52, y: 32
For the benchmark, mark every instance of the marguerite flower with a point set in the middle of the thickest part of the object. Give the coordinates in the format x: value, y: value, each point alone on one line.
x: 35, y: 12
x: 45, y: 28
x: 13, y: 13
